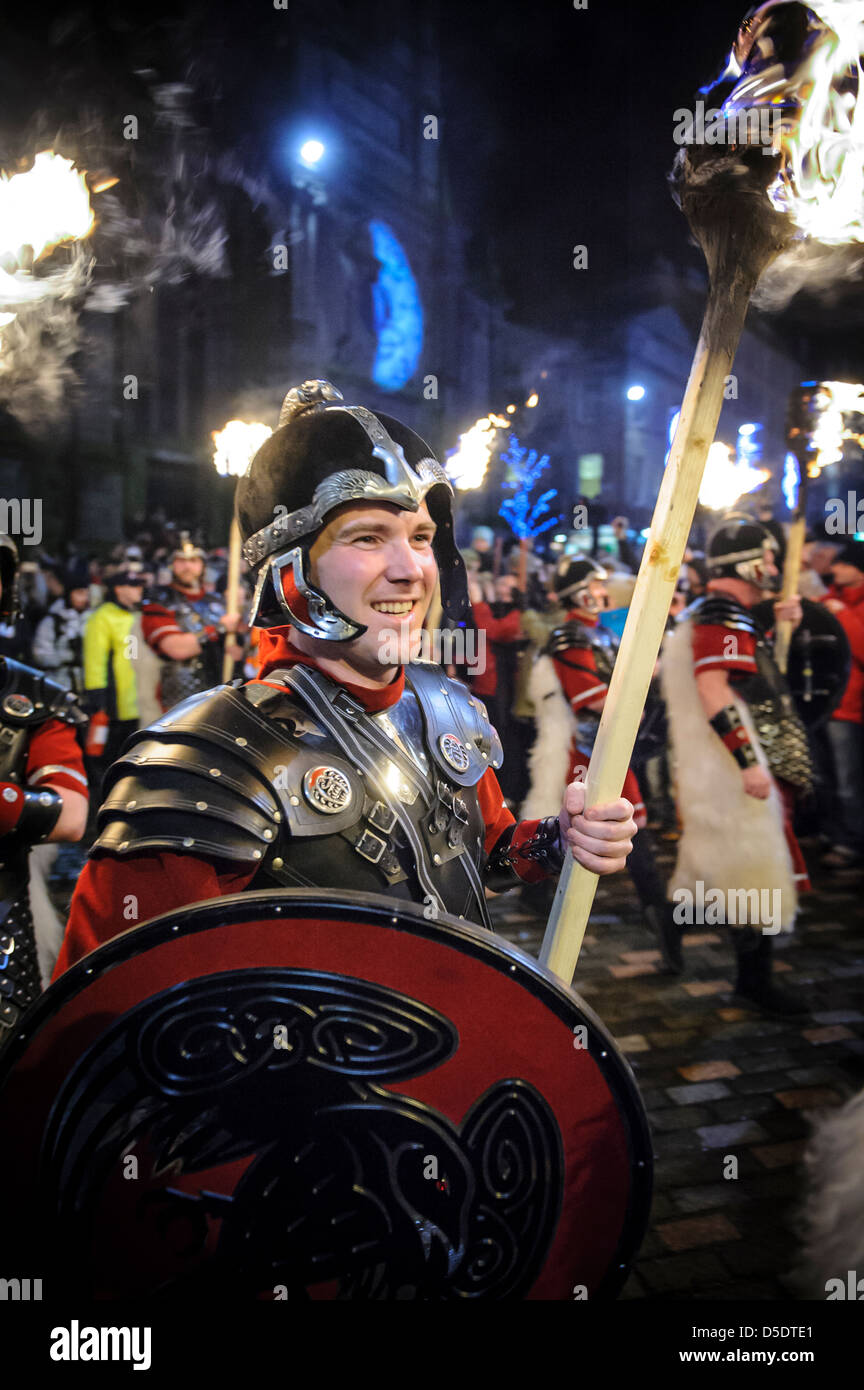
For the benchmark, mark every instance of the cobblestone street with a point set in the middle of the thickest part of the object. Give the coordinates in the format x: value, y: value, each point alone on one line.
x: 719, y: 1080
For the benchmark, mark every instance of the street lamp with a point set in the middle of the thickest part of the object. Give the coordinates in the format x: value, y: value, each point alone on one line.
x: 311, y: 153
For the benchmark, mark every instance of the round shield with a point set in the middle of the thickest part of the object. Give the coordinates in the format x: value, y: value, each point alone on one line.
x: 819, y: 660
x: 284, y: 1095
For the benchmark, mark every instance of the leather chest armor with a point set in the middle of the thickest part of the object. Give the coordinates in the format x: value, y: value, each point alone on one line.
x: 28, y: 699
x: 305, y: 786
x: 180, y: 679
x: 781, y: 733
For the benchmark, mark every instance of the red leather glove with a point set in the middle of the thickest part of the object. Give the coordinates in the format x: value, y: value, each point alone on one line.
x: 11, y: 806
x: 97, y: 735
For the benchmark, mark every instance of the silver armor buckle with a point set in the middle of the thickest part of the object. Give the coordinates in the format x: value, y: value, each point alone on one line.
x: 371, y: 846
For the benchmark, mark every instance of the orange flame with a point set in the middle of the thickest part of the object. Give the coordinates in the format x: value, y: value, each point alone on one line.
x: 38, y: 210
x: 466, y: 466
x: 47, y: 205
x: 820, y: 183
x: 835, y: 401
x: 237, y: 443
x: 725, y: 480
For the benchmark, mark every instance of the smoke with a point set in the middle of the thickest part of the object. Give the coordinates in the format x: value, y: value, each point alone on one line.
x: 259, y: 403
x: 822, y: 271
x: 37, y: 347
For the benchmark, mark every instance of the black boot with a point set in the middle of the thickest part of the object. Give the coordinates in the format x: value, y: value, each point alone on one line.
x: 659, y: 917
x: 754, y: 984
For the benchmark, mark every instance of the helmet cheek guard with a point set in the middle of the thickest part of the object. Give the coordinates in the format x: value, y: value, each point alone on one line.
x: 285, y: 595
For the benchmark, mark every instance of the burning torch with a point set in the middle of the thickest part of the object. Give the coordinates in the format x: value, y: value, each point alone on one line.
x: 39, y: 209
x: 745, y: 204
x: 818, y: 419
x: 236, y: 445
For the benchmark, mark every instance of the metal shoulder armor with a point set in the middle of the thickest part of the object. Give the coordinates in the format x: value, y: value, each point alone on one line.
x: 459, y: 736
x: 218, y: 776
x: 566, y: 637
x: 721, y: 610
x: 28, y: 698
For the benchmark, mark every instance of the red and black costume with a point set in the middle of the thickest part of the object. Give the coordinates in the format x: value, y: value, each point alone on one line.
x: 171, y: 611
x: 583, y: 654
x: 755, y: 677
x: 293, y: 779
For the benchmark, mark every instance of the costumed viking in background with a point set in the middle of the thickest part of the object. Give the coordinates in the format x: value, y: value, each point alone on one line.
x: 186, y: 625
x: 741, y: 757
x: 339, y: 765
x: 568, y: 686
x: 43, y: 796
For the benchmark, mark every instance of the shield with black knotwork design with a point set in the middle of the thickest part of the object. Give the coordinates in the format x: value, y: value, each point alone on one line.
x: 284, y: 1095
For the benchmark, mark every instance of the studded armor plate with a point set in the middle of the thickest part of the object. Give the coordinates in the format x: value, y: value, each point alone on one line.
x: 308, y: 787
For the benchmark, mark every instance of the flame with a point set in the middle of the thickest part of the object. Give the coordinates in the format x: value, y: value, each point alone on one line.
x: 833, y: 401
x: 725, y: 480
x: 237, y: 443
x: 466, y: 465
x: 38, y: 210
x: 47, y: 205
x: 820, y: 183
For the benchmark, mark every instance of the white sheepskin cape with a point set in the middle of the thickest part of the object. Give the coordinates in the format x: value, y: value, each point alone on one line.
x: 549, y: 761
x: 730, y: 840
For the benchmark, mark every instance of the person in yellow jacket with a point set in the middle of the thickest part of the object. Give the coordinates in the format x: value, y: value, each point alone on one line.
x: 110, y: 689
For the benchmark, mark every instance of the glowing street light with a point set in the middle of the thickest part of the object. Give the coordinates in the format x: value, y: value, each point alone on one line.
x: 311, y: 153
x: 635, y: 393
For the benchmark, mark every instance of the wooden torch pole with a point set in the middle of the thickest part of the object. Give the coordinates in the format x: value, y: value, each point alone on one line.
x: 792, y: 572
x: 740, y: 234
x: 799, y: 440
x: 232, y: 605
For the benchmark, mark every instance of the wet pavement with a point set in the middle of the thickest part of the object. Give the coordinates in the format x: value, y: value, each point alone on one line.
x: 718, y: 1080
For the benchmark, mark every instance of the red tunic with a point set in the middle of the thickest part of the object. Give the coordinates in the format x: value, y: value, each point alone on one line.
x: 504, y: 630
x: 54, y: 757
x: 715, y: 648
x: 851, y: 618
x: 114, y: 894
x: 583, y: 688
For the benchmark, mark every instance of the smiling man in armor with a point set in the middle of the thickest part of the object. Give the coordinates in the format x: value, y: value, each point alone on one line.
x: 333, y: 767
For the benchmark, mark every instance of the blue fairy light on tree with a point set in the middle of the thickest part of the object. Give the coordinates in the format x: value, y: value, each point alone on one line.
x: 524, y: 469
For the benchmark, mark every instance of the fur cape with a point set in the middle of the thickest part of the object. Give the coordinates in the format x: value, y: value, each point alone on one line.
x: 730, y: 840
x: 834, y: 1213
x: 549, y: 762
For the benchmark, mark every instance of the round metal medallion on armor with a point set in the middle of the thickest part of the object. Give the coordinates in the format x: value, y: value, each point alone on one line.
x: 17, y: 705
x: 454, y: 752
x: 325, y: 1099
x: 327, y: 789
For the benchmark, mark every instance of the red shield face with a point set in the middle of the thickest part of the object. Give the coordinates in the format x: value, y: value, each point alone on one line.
x: 279, y: 1095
